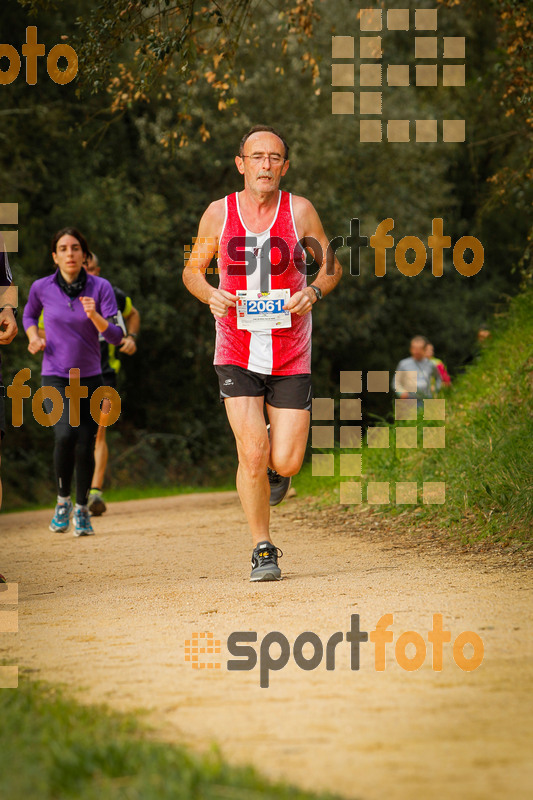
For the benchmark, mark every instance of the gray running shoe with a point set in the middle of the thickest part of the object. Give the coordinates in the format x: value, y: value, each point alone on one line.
x: 265, y: 562
x: 95, y: 503
x: 279, y: 486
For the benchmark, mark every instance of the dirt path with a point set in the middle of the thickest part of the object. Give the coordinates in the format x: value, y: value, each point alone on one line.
x: 111, y: 613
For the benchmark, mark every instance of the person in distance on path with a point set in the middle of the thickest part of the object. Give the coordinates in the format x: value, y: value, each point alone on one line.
x: 428, y: 378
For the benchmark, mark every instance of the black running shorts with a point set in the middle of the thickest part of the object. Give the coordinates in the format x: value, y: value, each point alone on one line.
x: 280, y: 391
x: 109, y: 378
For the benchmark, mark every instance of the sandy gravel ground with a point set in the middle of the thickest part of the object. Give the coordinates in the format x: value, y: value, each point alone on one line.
x: 109, y: 615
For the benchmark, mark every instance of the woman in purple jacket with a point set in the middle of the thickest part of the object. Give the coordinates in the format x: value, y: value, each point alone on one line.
x: 76, y: 308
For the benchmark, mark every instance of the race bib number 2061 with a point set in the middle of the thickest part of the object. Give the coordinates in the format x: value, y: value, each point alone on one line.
x: 261, y: 311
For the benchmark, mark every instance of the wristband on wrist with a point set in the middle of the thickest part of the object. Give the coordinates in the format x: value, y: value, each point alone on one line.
x: 316, y: 290
x: 133, y: 335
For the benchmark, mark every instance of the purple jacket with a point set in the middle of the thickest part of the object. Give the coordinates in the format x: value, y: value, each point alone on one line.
x: 71, y: 337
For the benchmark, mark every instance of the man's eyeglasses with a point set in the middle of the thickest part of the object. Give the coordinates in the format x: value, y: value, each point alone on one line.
x: 258, y: 158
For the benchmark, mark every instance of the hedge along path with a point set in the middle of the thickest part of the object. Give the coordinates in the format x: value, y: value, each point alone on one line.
x: 109, y: 616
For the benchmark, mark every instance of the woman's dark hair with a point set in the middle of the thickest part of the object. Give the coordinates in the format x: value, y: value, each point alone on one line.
x: 77, y: 235
x: 266, y: 129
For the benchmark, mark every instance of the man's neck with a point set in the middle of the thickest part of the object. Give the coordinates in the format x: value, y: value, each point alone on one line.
x: 258, y: 209
x: 259, y: 202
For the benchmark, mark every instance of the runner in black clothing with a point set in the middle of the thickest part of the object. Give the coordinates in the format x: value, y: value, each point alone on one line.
x: 130, y: 323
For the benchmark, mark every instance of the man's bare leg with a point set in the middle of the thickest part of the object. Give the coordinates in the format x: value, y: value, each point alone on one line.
x: 96, y: 503
x: 247, y: 420
x: 289, y: 430
x: 101, y: 455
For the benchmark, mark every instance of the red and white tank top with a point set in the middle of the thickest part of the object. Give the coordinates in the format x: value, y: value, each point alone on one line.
x: 263, y: 261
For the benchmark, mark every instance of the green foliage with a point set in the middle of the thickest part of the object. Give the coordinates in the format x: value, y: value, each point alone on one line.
x: 51, y: 747
x: 136, y: 183
x: 487, y: 462
x: 488, y: 459
x: 163, y: 35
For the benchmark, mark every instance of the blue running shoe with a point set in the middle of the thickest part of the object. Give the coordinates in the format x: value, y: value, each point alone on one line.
x: 61, y: 519
x: 82, y: 522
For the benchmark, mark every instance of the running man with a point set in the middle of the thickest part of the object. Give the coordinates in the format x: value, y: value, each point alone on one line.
x: 263, y: 344
x: 110, y: 368
x: 8, y: 331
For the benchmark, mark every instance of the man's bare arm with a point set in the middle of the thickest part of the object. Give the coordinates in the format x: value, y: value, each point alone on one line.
x: 8, y: 325
x: 202, y: 253
x: 133, y: 321
x: 133, y: 326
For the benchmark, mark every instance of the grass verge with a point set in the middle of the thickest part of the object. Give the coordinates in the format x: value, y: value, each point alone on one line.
x: 52, y: 747
x: 487, y: 461
x: 136, y: 493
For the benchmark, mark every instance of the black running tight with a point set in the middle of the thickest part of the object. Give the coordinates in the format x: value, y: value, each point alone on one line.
x: 74, y: 446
